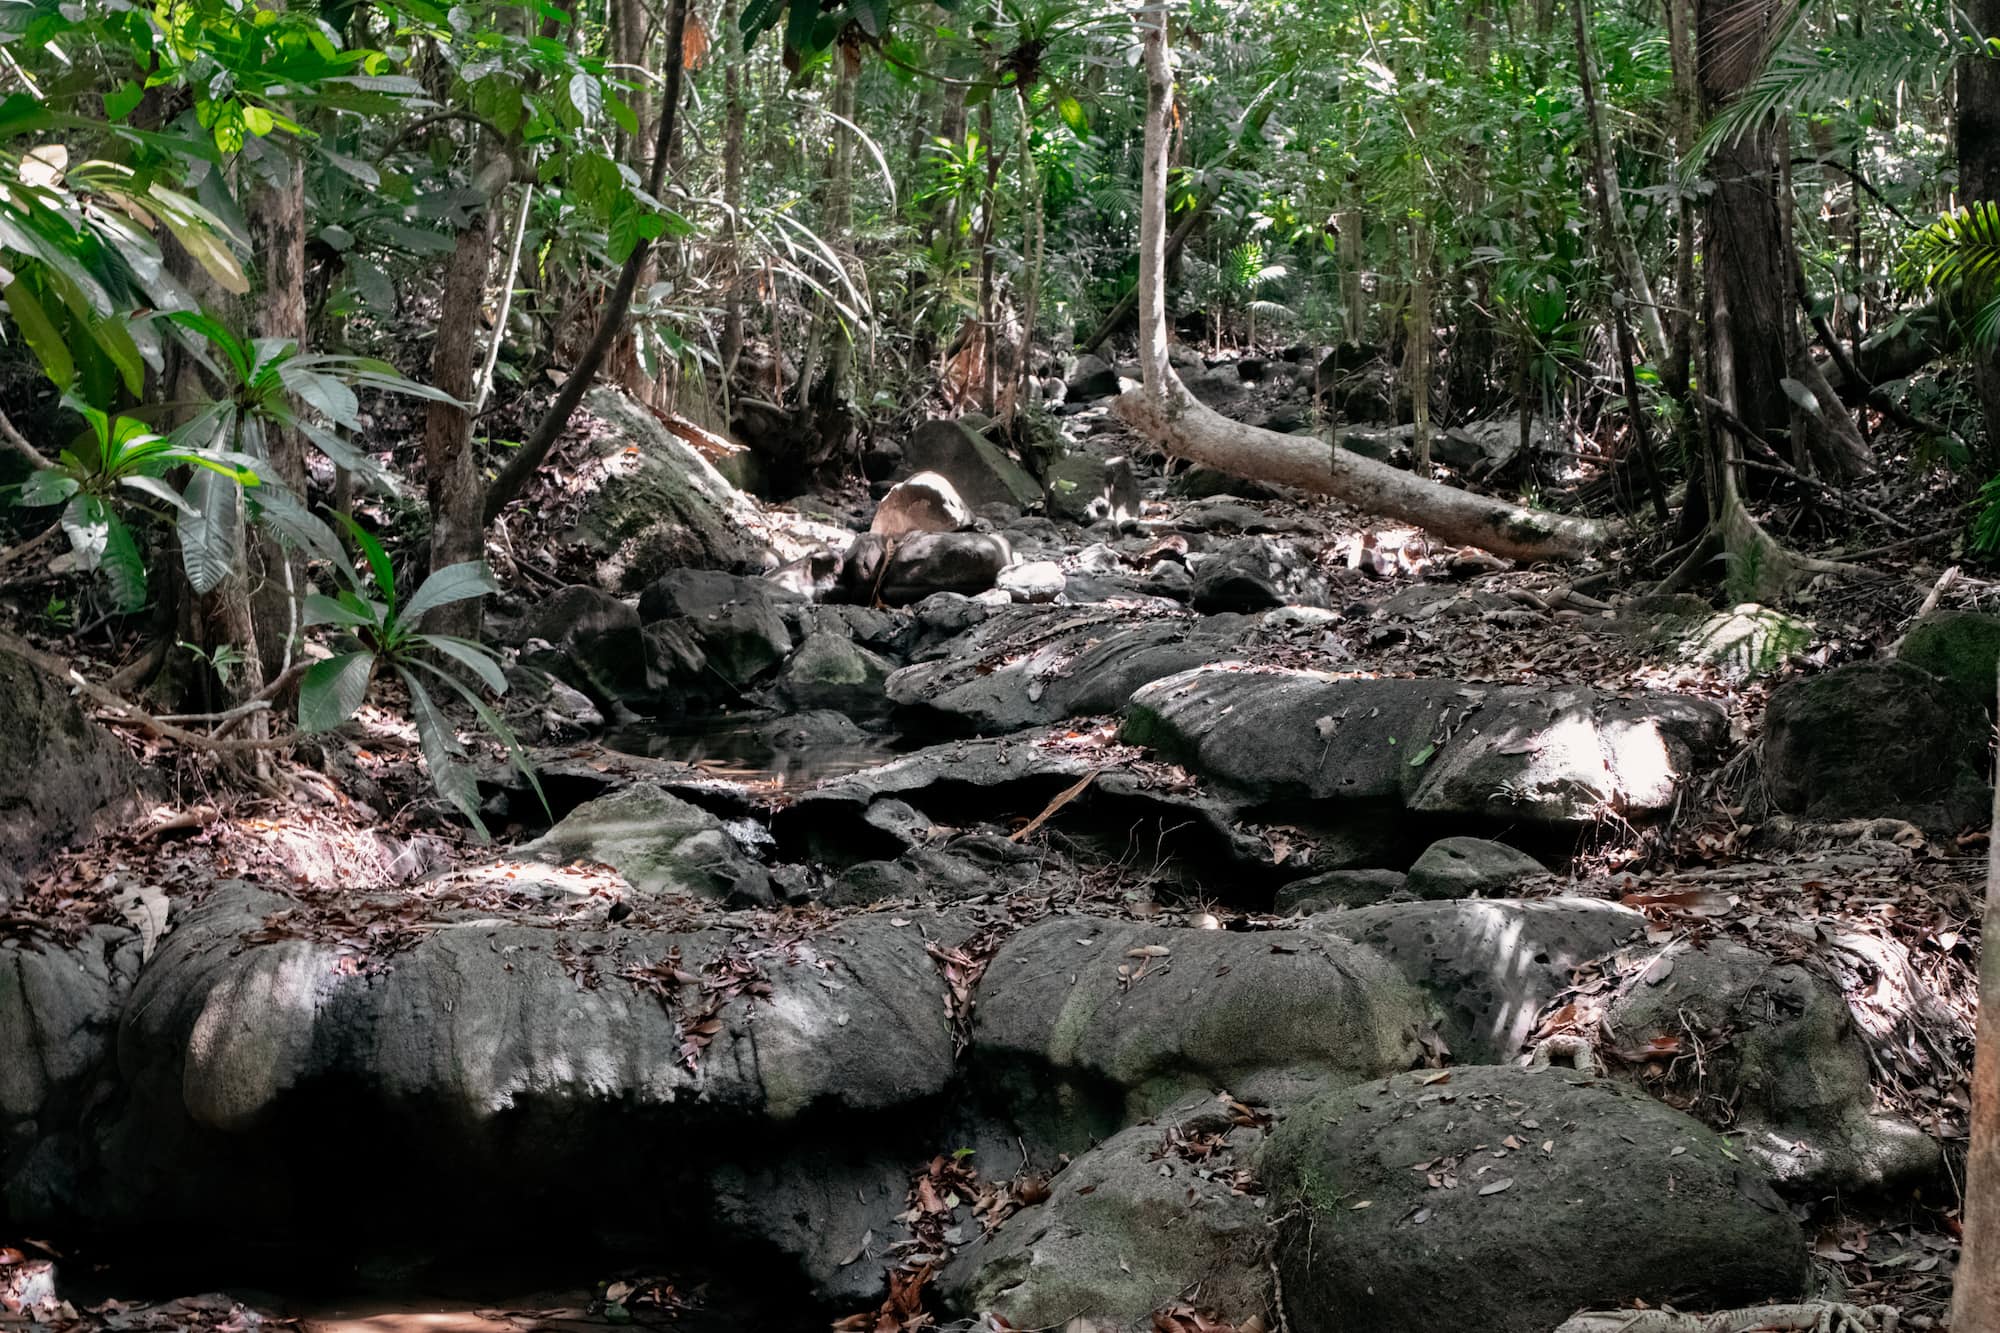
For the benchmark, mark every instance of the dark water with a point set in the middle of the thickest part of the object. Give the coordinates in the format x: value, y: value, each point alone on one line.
x: 762, y: 751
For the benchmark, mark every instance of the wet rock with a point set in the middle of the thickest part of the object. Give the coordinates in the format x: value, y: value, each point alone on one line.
x: 1024, y: 668
x: 916, y: 567
x: 1255, y: 574
x: 1085, y: 488
x: 63, y: 778
x: 1873, y: 740
x: 59, y: 1006
x: 1490, y: 967
x: 925, y: 503
x: 1339, y: 888
x: 660, y: 504
x: 829, y: 671
x: 1961, y: 646
x: 1128, y: 1229
x: 658, y: 843
x: 1471, y: 868
x: 890, y: 633
x: 1632, y: 1200
x: 978, y: 469
x: 945, y: 615
x: 738, y: 622
x: 1561, y: 756
x: 1093, y: 377
x: 1782, y: 1054
x: 1032, y: 581
x: 1212, y: 1009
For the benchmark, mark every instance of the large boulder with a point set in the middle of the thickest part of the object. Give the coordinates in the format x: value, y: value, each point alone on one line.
x: 738, y: 622
x: 1029, y: 667
x: 63, y: 778
x: 59, y: 1005
x: 495, y: 1055
x: 1877, y: 740
x: 1504, y: 1200
x: 979, y: 470
x: 1471, y: 868
x: 1560, y: 756
x: 658, y: 843
x: 1086, y: 487
x: 1961, y: 646
x: 1781, y: 1053
x: 600, y: 648
x: 926, y: 502
x: 1148, y: 1014
x: 1152, y: 1219
x: 832, y: 671
x: 1489, y: 968
x: 658, y: 503
x: 1092, y: 377
x: 921, y: 565
x: 1256, y: 574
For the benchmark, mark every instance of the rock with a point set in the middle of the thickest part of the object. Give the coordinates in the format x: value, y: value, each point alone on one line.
x: 500, y: 1059
x: 1631, y: 1201
x: 1483, y: 447
x: 59, y: 1006
x: 1471, y: 868
x: 881, y: 459
x: 1555, y: 756
x: 1490, y: 968
x: 1202, y: 482
x: 932, y: 562
x: 1093, y: 377
x: 1961, y: 646
x: 1032, y: 582
x: 600, y: 647
x: 890, y: 633
x: 1220, y: 388
x: 1129, y: 1229
x: 1213, y: 1009
x: 1338, y: 888
x: 978, y: 469
x: 1385, y: 444
x: 1877, y: 739
x: 925, y: 503
x: 1086, y: 488
x: 1255, y: 574
x: 63, y: 778
x: 1053, y: 664
x: 829, y: 671
x: 809, y: 578
x: 658, y: 843
x: 828, y: 1205
x: 738, y: 622
x: 568, y: 714
x: 659, y: 504
x: 971, y: 865
x: 1782, y: 1054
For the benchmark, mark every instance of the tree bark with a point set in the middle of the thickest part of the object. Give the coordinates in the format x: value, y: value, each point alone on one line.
x: 451, y: 472
x: 1978, y: 136
x: 276, y: 214
x: 1163, y: 409
x: 732, y: 190
x: 1975, y: 1293
x: 1611, y: 196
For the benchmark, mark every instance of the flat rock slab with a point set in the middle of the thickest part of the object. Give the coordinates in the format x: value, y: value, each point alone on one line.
x: 1490, y: 967
x: 1553, y: 756
x: 1417, y: 1211
x: 1157, y: 1011
x: 1034, y: 667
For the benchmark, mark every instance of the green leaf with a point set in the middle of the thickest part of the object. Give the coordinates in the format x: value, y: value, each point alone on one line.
x: 496, y: 724
x: 298, y: 526
x: 381, y: 573
x: 123, y: 100
x: 124, y: 568
x: 47, y: 486
x: 200, y: 233
x: 453, y: 583
x: 453, y: 779
x: 586, y: 94
x: 319, y: 609
x: 1072, y: 114
x: 334, y: 690
x: 158, y: 489
x: 472, y: 654
x: 325, y: 394
x: 1423, y: 756
x: 210, y: 531
x: 757, y: 16
x: 1805, y: 399
x: 40, y: 333
x: 86, y: 521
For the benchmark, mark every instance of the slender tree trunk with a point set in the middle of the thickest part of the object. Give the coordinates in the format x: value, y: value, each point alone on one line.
x: 451, y: 471
x: 733, y: 118
x: 1164, y: 410
x: 276, y: 214
x: 1604, y: 163
x: 1975, y: 1293
x: 1687, y: 115
x: 1032, y: 250
x: 1978, y: 136
x: 989, y: 315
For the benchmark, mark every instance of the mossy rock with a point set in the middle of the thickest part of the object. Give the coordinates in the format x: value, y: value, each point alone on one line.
x: 1961, y: 646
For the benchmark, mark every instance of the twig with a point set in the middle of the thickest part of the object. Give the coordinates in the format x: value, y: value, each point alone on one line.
x: 484, y: 385
x: 20, y: 443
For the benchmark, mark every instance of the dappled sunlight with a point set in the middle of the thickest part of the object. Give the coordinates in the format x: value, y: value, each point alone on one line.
x: 255, y: 1033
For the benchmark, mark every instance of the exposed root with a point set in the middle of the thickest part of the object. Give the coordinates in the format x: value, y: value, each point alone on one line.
x: 1810, y: 1317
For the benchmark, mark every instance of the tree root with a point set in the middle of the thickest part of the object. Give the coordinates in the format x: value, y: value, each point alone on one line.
x: 1809, y: 1317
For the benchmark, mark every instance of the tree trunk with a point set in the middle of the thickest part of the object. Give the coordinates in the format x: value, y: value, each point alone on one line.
x: 732, y: 190
x: 1604, y: 164
x: 1164, y: 410
x: 451, y: 472
x: 1978, y: 135
x: 1975, y: 1293
x: 276, y: 214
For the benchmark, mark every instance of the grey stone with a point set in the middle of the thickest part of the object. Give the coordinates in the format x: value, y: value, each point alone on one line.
x: 1961, y: 646
x: 63, y: 778
x: 660, y: 844
x: 1085, y: 487
x: 1471, y: 868
x: 738, y: 622
x: 1631, y: 1200
x: 1877, y: 740
x: 1032, y: 581
x: 1482, y: 447
x: 1093, y: 377
x: 978, y: 469
x: 829, y: 671
x: 1490, y: 968
x: 1338, y: 888
x: 926, y: 502
x: 1255, y: 574
x: 916, y: 567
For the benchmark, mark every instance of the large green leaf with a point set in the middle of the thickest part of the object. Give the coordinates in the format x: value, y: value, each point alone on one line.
x: 298, y: 526
x: 47, y: 486
x: 124, y: 568
x: 211, y: 530
x: 473, y: 655
x: 380, y: 572
x: 40, y: 333
x: 453, y: 583
x: 494, y: 723
x: 334, y: 690
x: 453, y: 779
